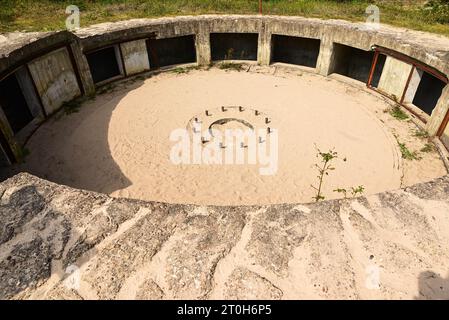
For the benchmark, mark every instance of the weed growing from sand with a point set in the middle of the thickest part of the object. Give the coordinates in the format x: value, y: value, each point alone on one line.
x: 406, y: 153
x: 428, y: 148
x: 421, y: 134
x: 231, y: 66
x: 184, y: 70
x: 179, y: 70
x: 354, y: 191
x: 397, y: 113
x: 22, y: 153
x: 106, y: 88
x: 72, y: 106
x: 324, y: 168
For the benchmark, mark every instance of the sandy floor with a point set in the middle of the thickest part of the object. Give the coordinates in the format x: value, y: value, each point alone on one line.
x: 119, y: 143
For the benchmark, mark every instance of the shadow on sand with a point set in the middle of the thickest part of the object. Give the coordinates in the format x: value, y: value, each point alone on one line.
x: 63, y: 137
x: 432, y: 286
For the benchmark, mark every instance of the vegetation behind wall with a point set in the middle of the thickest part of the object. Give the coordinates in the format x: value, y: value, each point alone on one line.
x: 44, y: 15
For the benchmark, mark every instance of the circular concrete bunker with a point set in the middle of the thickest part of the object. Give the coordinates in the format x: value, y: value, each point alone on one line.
x: 361, y: 99
x: 378, y: 98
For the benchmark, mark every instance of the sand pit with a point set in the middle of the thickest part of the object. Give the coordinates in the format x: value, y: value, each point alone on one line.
x: 119, y: 142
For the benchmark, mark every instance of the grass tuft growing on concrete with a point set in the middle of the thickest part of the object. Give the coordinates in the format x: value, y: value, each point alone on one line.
x: 231, y: 66
x: 398, y: 113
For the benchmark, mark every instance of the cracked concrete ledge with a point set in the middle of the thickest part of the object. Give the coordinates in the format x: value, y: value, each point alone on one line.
x: 61, y: 243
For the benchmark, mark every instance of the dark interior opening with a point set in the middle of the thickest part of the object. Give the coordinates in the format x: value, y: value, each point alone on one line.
x: 6, y: 155
x: 171, y: 51
x: 295, y: 50
x: 356, y: 63
x: 13, y: 103
x: 103, y: 64
x: 428, y: 92
x: 234, y: 46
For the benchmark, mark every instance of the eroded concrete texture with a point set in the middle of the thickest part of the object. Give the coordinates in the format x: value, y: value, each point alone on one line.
x: 61, y: 243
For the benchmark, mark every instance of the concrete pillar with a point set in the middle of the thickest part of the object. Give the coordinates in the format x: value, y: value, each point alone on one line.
x: 438, y: 114
x: 135, y: 56
x: 27, y: 87
x: 203, y: 53
x: 394, y: 77
x: 83, y: 69
x: 326, y: 57
x: 413, y: 86
x: 445, y: 137
x: 264, y: 46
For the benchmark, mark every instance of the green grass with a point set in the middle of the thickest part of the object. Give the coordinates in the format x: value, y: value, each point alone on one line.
x: 22, y: 153
x: 29, y: 15
x: 406, y: 153
x: 428, y: 148
x: 183, y: 70
x: 421, y: 134
x: 72, y: 106
x: 397, y: 113
x: 231, y: 66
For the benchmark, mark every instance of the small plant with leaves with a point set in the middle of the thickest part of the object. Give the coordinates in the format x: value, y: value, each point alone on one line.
x: 231, y: 66
x: 72, y: 106
x: 22, y: 153
x: 184, y: 70
x: 357, y: 191
x: 421, y: 134
x: 324, y: 168
x: 354, y: 191
x: 398, y: 113
x: 343, y: 191
x: 428, y: 148
x: 179, y: 70
x: 406, y: 153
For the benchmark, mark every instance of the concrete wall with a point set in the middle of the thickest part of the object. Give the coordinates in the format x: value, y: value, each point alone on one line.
x: 55, y: 79
x: 445, y: 137
x: 438, y: 114
x: 394, y: 77
x: 135, y: 56
x: 60, y: 76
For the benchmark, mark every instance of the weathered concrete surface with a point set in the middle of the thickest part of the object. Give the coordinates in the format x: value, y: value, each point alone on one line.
x: 438, y: 114
x: 445, y: 137
x: 55, y: 79
x: 135, y: 56
x: 394, y: 77
x: 61, y: 243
